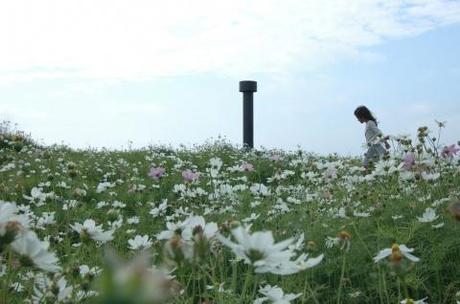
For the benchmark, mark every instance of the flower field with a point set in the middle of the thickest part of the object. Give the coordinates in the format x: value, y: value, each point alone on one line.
x: 220, y: 224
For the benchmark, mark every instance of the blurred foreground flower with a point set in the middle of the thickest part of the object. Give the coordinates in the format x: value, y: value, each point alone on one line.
x: 11, y: 223
x: 275, y: 295
x: 259, y: 249
x: 134, y: 282
x: 35, y: 252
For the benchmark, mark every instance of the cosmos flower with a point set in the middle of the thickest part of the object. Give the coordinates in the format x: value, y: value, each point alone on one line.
x: 84, y: 270
x: 190, y: 176
x: 157, y: 172
x: 216, y: 163
x: 450, y: 151
x: 194, y: 223
x: 274, y: 157
x: 10, y: 221
x: 38, y: 196
x: 35, y: 252
x: 260, y: 250
x: 89, y: 229
x: 140, y: 242
x: 188, y: 239
x: 102, y: 187
x: 428, y: 216
x: 408, y: 161
x: 46, y: 289
x: 396, y: 253
x: 410, y: 301
x: 430, y: 176
x: 248, y: 167
x: 275, y: 295
x: 135, y: 281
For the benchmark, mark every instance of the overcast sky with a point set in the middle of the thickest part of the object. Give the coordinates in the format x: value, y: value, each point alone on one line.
x: 102, y: 73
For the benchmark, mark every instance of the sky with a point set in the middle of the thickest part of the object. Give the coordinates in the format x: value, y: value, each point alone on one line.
x: 113, y: 73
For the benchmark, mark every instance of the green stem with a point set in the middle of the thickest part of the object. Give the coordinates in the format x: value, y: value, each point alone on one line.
x: 256, y: 284
x: 341, y: 277
x: 355, y: 229
x: 234, y: 275
x: 8, y: 277
x: 246, y: 281
x: 307, y: 285
x: 385, y: 286
x: 403, y: 283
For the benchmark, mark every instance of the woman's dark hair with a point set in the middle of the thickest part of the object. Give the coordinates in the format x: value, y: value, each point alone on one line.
x: 364, y: 113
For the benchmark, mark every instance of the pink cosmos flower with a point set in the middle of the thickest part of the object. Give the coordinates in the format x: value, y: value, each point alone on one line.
x: 190, y: 176
x: 156, y: 172
x: 274, y: 157
x: 449, y: 151
x: 247, y: 167
x: 409, y: 161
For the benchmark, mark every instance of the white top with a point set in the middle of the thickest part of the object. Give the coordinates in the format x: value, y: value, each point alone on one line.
x: 372, y: 132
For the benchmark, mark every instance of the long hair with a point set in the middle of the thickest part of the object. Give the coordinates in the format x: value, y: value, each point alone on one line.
x: 364, y: 113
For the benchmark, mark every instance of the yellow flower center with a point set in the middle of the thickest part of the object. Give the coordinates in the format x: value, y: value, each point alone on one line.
x: 344, y: 235
x: 396, y: 254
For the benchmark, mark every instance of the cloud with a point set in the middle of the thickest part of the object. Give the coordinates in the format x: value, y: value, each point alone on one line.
x: 142, y: 39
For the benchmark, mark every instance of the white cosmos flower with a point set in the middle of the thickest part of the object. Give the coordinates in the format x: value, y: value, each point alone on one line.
x: 331, y: 241
x: 430, y: 176
x: 428, y: 216
x: 101, y: 187
x: 47, y: 218
x: 198, y: 222
x: 437, y: 226
x: 44, y: 288
x: 64, y: 292
x: 140, y: 242
x: 8, y: 216
x: 396, y: 252
x: 421, y: 301
x: 259, y: 189
x: 7, y: 212
x: 260, y: 250
x: 85, y: 270
x: 133, y: 220
x: 216, y: 163
x: 187, y: 227
x: 37, y: 195
x: 361, y: 214
x: 184, y: 236
x: 275, y: 295
x: 90, y: 229
x: 30, y: 247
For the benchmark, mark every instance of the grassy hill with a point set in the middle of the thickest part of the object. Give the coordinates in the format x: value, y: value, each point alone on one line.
x: 188, y: 203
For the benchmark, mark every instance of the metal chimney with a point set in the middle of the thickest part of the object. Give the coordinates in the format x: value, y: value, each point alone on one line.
x: 248, y: 87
